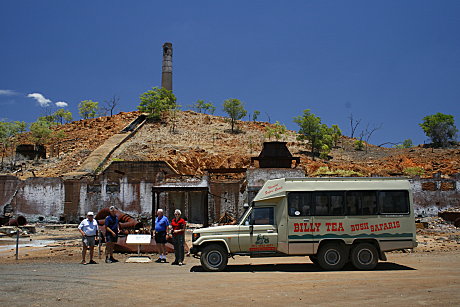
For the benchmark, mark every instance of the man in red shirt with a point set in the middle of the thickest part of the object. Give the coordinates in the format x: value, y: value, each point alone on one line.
x: 178, y: 232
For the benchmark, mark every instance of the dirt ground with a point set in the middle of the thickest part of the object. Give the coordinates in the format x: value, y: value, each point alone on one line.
x: 48, y: 273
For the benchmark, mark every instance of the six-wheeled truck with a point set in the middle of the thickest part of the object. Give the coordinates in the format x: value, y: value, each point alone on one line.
x: 334, y: 221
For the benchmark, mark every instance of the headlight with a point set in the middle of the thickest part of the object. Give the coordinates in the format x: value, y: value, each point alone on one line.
x: 195, y: 236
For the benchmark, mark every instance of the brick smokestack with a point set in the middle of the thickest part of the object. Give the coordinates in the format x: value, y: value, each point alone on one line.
x: 166, y: 67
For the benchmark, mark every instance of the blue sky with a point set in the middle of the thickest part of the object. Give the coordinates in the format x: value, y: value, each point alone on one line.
x: 386, y: 62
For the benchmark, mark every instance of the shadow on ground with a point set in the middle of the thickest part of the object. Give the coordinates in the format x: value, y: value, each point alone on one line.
x: 299, y: 267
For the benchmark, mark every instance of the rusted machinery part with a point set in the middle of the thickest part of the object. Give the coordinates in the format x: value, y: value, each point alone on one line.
x: 457, y: 222
x: 19, y: 221
x: 451, y: 216
x: 125, y: 220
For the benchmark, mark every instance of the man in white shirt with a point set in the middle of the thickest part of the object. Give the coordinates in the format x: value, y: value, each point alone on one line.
x: 88, y: 231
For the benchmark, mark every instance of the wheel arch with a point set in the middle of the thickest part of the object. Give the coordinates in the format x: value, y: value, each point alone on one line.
x: 328, y: 241
x: 217, y: 242
x: 374, y: 242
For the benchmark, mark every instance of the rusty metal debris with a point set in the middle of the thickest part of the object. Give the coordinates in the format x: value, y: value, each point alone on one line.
x: 126, y: 221
x: 451, y: 216
x: 130, y: 225
x: 19, y: 221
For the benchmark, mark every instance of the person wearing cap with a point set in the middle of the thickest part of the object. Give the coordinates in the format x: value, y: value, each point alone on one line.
x: 88, y: 231
x: 111, y: 234
x: 161, y: 225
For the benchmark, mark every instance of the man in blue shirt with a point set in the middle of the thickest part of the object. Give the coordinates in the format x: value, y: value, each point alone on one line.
x: 161, y: 225
x: 111, y: 235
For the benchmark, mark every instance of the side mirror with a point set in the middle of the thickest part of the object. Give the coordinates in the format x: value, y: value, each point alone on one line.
x: 245, y: 206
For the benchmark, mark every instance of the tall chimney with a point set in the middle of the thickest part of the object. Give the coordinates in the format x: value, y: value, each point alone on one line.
x: 166, y: 68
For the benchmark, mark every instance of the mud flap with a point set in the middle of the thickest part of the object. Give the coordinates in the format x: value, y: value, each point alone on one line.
x: 382, y: 256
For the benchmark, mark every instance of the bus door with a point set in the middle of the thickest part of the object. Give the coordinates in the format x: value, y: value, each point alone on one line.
x: 301, y: 225
x: 259, y: 234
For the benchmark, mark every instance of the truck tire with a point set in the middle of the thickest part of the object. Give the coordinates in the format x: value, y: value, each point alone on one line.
x: 214, y: 258
x: 364, y: 256
x: 332, y: 256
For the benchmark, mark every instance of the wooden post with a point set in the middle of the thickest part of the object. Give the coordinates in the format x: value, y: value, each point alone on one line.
x: 206, y: 209
x: 17, y: 244
x: 153, y: 211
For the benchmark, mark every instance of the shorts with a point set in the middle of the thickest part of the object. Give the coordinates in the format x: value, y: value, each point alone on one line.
x: 160, y: 237
x: 89, y: 241
x: 110, y: 238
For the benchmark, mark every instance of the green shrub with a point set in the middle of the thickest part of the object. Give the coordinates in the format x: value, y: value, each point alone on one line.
x: 414, y: 171
x: 359, y: 145
x: 325, y: 171
x: 406, y: 144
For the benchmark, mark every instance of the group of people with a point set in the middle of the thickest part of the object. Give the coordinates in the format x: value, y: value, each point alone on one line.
x: 88, y: 229
x: 177, y: 231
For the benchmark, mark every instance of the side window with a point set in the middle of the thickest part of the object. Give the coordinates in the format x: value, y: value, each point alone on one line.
x: 263, y: 216
x: 321, y: 203
x: 394, y: 202
x: 329, y: 203
x: 361, y: 203
x: 299, y: 203
x: 294, y: 204
x: 368, y: 203
x: 353, y: 203
x: 306, y: 208
x: 337, y: 201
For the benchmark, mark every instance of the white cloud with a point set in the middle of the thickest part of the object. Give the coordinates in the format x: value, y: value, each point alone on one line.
x: 40, y: 99
x: 8, y: 92
x: 61, y: 104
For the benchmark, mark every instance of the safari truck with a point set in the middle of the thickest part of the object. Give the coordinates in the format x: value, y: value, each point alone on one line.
x: 334, y: 221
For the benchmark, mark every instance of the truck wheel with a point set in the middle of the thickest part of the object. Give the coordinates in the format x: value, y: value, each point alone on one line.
x: 214, y: 258
x: 332, y: 256
x: 314, y: 260
x: 364, y: 256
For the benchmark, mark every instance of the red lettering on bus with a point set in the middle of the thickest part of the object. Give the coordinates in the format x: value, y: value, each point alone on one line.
x: 296, y: 227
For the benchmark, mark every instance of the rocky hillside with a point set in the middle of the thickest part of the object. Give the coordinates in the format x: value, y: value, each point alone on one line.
x: 199, y: 141
x: 81, y: 138
x: 204, y: 141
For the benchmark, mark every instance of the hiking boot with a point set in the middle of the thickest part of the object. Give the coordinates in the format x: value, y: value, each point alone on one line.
x: 175, y: 263
x: 158, y: 260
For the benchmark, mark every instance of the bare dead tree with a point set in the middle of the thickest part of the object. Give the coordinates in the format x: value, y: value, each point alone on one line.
x: 354, y: 123
x: 111, y: 104
x: 268, y: 116
x: 370, y: 131
x: 367, y: 133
